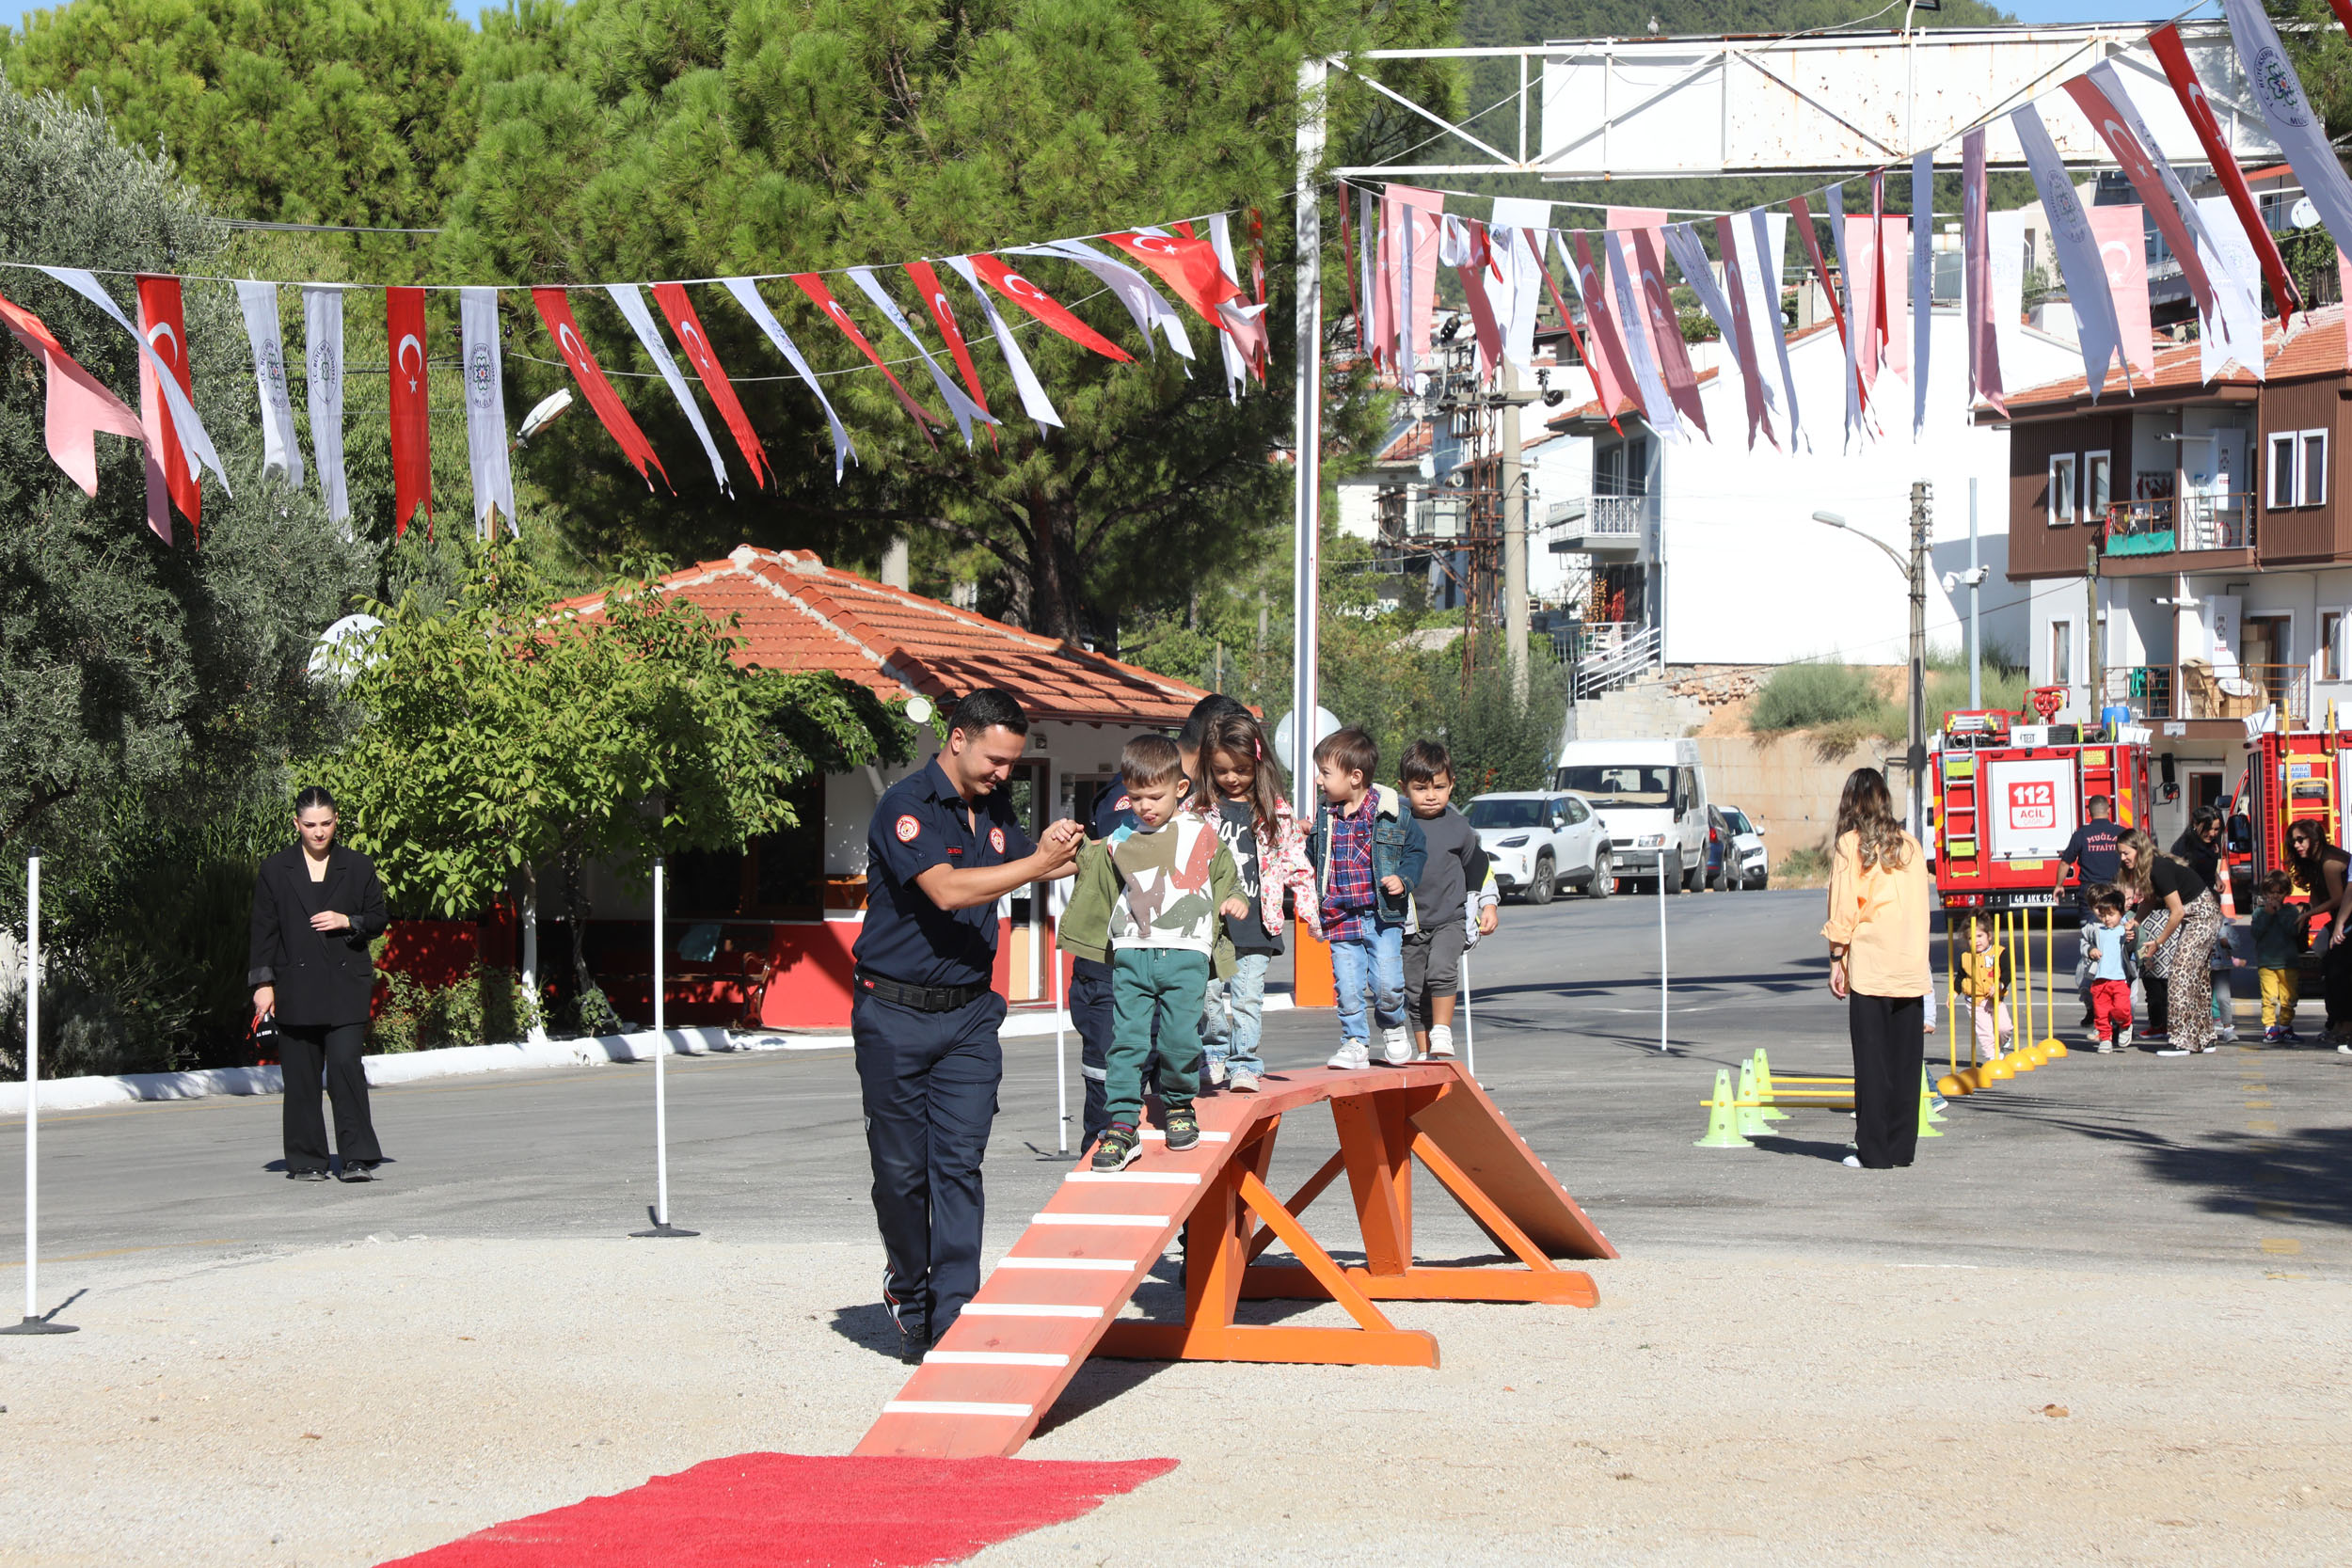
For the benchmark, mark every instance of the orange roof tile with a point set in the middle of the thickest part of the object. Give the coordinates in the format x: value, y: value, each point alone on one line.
x: 2316, y: 347
x: 794, y: 612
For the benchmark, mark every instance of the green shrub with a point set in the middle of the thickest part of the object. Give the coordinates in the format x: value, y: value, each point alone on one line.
x: 482, y: 1006
x: 1807, y: 696
x: 1801, y: 868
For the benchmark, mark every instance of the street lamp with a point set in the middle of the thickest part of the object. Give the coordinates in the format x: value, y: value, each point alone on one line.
x: 1915, y: 574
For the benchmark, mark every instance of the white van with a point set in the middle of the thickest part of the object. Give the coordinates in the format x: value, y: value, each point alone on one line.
x: 1652, y: 797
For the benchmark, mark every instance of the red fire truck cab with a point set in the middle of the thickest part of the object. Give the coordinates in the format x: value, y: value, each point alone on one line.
x: 2005, y: 797
x: 2289, y: 778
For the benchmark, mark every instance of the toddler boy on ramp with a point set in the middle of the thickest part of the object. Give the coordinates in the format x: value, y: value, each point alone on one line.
x: 1151, y: 897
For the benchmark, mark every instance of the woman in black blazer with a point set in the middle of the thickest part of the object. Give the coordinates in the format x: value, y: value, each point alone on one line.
x: 316, y: 906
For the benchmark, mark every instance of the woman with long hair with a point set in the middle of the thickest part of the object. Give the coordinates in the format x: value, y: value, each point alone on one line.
x: 2323, y: 872
x: 1877, y: 966
x: 2166, y: 888
x: 316, y: 906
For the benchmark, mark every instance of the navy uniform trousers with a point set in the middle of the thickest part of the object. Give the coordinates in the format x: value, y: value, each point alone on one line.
x: 930, y: 1085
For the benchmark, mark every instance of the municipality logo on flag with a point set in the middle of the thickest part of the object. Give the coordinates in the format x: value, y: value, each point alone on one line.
x: 2276, y: 78
x: 479, y: 372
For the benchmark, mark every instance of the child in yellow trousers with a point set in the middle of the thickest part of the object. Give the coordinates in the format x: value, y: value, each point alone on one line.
x: 1984, y: 984
x: 2280, y: 934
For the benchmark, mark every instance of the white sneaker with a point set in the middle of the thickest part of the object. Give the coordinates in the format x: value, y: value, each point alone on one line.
x: 1351, y: 1054
x: 1396, y: 1046
x: 1853, y: 1162
x: 1242, y: 1082
x: 1441, y: 1040
x: 2122, y: 1039
x: 1217, y: 1071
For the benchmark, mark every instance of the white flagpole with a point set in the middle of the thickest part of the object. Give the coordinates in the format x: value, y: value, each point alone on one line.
x: 1661, y: 952
x: 1470, y: 1024
x: 661, y: 1226
x: 34, y: 1322
x: 1061, y: 1067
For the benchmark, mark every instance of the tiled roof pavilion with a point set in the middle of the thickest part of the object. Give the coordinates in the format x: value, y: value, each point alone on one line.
x: 794, y: 612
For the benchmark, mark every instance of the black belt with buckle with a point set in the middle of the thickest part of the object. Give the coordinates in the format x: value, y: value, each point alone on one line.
x: 923, y: 999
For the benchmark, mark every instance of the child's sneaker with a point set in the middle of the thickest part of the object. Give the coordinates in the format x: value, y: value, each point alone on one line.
x: 1441, y: 1040
x: 1120, y: 1148
x: 1244, y: 1082
x: 2122, y: 1039
x: 1396, y: 1045
x: 2106, y: 1045
x: 1183, y: 1129
x: 1351, y: 1054
x: 2272, y: 1035
x: 1217, y: 1071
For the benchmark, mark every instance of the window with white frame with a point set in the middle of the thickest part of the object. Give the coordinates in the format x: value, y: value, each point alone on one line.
x: 2096, y: 466
x: 2061, y: 652
x: 2297, y: 469
x: 2062, y: 489
x: 2331, y: 655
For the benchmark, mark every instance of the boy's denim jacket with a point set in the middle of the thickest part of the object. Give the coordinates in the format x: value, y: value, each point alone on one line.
x: 1398, y: 850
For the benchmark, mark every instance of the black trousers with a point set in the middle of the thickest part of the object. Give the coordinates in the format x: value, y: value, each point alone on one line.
x: 2159, y: 992
x: 1889, y: 1048
x: 306, y: 1049
x: 930, y: 1085
x: 1090, y: 1014
x: 2335, y: 979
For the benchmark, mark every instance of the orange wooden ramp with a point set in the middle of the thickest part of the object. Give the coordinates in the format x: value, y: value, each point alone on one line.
x: 1055, y: 1298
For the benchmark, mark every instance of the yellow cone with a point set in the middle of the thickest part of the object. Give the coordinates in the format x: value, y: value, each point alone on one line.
x: 1723, y: 1131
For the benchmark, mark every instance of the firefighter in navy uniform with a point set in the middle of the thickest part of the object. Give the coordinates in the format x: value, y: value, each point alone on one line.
x: 944, y: 847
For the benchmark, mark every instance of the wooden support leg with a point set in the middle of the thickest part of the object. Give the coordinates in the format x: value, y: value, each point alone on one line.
x: 1379, y: 1176
x: 1308, y: 1191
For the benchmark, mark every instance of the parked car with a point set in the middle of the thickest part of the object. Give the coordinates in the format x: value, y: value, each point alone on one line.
x: 1745, y: 851
x: 1538, y: 839
x: 1718, y: 841
x: 1651, y: 798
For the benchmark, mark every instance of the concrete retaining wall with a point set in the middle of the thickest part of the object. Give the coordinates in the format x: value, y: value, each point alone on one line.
x: 1782, y: 784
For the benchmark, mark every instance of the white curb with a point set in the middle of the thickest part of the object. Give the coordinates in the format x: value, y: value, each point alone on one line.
x: 409, y: 1067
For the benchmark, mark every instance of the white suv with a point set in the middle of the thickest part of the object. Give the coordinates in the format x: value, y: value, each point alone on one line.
x: 1539, y: 839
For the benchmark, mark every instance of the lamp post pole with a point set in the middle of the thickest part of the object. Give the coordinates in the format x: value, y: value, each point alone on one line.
x: 1914, y: 571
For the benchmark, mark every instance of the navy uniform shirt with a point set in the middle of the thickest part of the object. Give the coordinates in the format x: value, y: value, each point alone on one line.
x: 920, y: 822
x: 1112, y: 810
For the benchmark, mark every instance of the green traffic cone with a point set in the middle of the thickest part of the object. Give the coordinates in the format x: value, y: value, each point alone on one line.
x: 1750, y: 1121
x: 1722, y: 1129
x: 1926, y: 1112
x: 1764, y: 1088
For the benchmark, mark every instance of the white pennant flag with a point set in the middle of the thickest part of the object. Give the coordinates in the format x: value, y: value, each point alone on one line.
x: 2079, y: 258
x: 2236, y: 274
x: 632, y: 307
x: 747, y: 295
x: 323, y: 339
x: 1767, y: 241
x: 1033, y: 399
x: 2270, y: 79
x: 2005, y: 235
x: 963, y: 409
x: 485, y: 410
x: 195, y: 443
x: 1835, y: 199
x: 1135, y: 290
x: 1922, y: 284
x: 1514, y: 219
x: 259, y: 301
x: 1236, y: 366
x: 1657, y: 407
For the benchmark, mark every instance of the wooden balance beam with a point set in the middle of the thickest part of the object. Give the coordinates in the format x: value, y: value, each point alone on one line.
x: 1054, y: 1299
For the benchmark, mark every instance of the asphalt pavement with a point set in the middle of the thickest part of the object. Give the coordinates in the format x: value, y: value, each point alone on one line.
x: 2092, y: 1161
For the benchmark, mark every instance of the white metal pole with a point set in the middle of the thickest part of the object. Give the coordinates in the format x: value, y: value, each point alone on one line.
x: 661, y: 1226
x: 1976, y: 596
x: 33, y: 1323
x: 1661, y: 952
x: 1469, y: 1025
x: 1061, y: 1059
x: 1307, y: 499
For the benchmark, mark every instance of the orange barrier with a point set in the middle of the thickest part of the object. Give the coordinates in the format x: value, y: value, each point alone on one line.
x: 1053, y: 1300
x: 1311, y: 985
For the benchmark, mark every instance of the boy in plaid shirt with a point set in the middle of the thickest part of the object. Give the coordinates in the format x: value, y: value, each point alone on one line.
x: 1368, y: 852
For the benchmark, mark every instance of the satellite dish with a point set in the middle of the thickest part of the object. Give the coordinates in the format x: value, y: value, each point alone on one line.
x: 1285, y: 741
x: 345, y: 648
x: 2303, y: 215
x: 920, y: 710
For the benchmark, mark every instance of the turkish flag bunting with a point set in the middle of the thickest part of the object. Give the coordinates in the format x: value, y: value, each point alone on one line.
x: 555, y: 309
x: 815, y: 288
x: 79, y: 407
x: 1188, y: 266
x: 935, y: 301
x: 2166, y: 41
x: 168, y: 472
x: 412, y: 425
x: 1036, y: 302
x: 679, y: 312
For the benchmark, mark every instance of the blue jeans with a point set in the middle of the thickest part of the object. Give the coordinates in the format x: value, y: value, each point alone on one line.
x: 1376, y: 964
x: 1235, y: 1017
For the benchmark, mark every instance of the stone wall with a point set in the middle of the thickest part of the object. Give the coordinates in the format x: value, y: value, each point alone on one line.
x: 1784, y: 784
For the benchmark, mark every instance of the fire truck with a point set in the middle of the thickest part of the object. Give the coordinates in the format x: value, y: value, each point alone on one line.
x: 2289, y: 778
x: 2005, y: 797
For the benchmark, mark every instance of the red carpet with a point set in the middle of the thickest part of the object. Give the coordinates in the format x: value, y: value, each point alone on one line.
x: 796, y: 1510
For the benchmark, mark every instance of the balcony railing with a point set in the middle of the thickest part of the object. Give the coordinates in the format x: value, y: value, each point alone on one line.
x: 2194, y: 691
x: 1612, y: 653
x: 1625, y: 518
x: 2175, y: 523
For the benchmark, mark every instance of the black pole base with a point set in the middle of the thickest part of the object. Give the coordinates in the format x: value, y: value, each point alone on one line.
x: 41, y: 1325
x: 662, y: 1227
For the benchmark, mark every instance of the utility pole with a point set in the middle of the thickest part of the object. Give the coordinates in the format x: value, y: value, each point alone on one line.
x: 1915, y: 756
x: 1306, y: 551
x: 1513, y: 536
